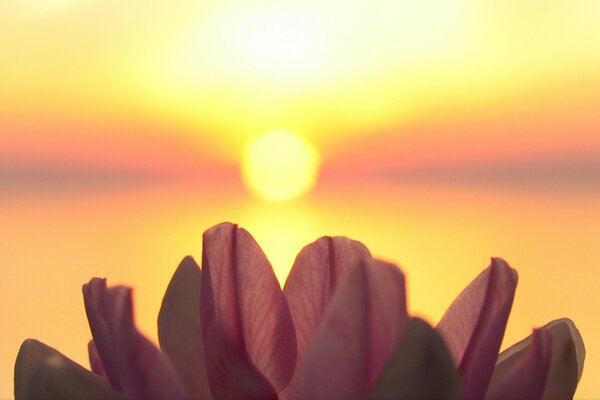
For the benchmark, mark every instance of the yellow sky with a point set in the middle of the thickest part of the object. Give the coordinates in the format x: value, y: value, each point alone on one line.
x: 336, y: 69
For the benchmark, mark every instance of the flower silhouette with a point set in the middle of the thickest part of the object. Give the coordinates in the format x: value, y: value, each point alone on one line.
x: 339, y: 329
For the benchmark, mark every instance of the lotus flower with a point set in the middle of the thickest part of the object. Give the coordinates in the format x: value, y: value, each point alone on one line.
x: 339, y: 330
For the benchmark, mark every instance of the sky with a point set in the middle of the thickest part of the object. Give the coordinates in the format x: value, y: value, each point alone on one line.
x: 446, y: 131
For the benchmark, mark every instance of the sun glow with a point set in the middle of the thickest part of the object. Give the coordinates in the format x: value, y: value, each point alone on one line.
x: 279, y: 166
x: 278, y: 42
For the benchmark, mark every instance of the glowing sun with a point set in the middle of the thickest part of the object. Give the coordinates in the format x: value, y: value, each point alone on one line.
x: 279, y: 166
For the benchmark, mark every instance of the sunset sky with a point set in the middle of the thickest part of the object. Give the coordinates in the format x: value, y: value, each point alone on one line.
x: 439, y: 133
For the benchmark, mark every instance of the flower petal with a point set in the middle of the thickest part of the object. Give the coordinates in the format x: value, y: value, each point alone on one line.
x: 180, y: 330
x: 95, y: 361
x: 133, y: 365
x: 568, y: 356
x: 522, y: 370
x: 310, y: 285
x: 31, y: 353
x: 474, y: 325
x: 358, y: 334
x: 420, y: 368
x: 42, y: 372
x: 566, y: 363
x: 249, y: 337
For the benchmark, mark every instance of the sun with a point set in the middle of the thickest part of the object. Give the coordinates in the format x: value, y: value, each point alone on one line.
x: 279, y: 166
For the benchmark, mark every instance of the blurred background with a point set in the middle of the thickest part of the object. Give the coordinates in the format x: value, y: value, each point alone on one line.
x: 439, y: 133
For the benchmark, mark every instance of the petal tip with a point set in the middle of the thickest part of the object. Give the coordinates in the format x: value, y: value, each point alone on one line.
x: 188, y: 262
x: 577, y: 341
x: 189, y: 259
x: 94, y: 282
x: 500, y: 264
x: 28, y: 343
x: 219, y: 228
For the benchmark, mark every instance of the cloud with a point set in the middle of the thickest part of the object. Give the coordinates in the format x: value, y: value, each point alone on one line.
x: 51, y: 177
x: 547, y: 174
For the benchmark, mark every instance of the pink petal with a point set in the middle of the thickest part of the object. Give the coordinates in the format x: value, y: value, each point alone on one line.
x: 420, y: 368
x: 358, y: 334
x: 95, y: 361
x: 41, y: 372
x: 249, y: 337
x: 180, y: 330
x: 133, y: 365
x: 522, y: 370
x: 474, y: 325
x: 310, y: 286
x: 568, y: 356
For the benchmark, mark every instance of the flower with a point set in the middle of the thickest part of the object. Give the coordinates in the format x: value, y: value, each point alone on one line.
x: 547, y: 364
x: 339, y: 329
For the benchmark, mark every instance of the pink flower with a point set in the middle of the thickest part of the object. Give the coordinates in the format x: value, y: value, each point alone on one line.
x: 548, y: 364
x: 339, y: 329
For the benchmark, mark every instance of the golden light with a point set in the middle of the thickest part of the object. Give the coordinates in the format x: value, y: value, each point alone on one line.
x: 46, y: 7
x: 275, y: 63
x: 278, y: 41
x: 279, y: 166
